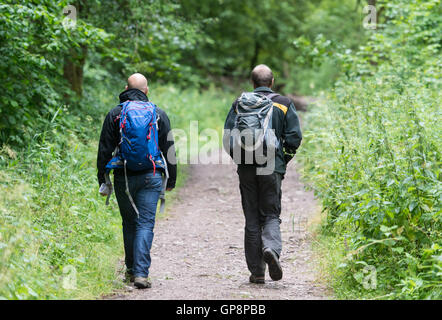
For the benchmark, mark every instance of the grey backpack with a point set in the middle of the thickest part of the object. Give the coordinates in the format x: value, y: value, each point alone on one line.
x: 252, y: 136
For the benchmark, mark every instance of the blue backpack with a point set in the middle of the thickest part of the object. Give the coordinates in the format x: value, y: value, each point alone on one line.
x: 138, y: 149
x: 139, y: 136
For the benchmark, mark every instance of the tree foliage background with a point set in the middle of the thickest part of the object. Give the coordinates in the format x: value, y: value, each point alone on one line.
x: 45, y: 62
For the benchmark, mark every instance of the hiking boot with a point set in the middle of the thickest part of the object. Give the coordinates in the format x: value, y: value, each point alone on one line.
x: 257, y: 279
x: 272, y: 261
x: 129, y: 277
x: 142, y: 283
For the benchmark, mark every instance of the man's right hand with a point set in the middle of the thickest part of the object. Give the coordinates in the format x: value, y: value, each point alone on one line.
x: 104, y: 190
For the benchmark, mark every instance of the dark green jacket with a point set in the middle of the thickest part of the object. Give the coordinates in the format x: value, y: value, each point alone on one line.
x: 285, y: 123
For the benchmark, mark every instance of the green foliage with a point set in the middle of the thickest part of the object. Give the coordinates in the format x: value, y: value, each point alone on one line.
x: 208, y: 107
x: 372, y: 153
x: 241, y: 34
x: 34, y: 42
x: 150, y: 37
x: 189, y: 42
x: 330, y: 29
x: 53, y: 223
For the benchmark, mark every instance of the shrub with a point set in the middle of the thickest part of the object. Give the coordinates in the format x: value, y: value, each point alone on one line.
x: 372, y: 154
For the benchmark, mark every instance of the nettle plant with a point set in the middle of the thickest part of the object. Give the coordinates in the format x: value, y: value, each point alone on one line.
x: 372, y: 152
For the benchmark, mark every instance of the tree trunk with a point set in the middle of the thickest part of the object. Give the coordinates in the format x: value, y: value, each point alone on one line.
x: 73, y: 69
x: 255, y: 55
x: 74, y: 61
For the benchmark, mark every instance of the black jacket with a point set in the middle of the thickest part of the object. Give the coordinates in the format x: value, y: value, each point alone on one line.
x: 110, y: 137
x: 285, y: 123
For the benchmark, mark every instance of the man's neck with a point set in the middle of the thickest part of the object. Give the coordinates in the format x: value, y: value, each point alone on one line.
x: 263, y: 88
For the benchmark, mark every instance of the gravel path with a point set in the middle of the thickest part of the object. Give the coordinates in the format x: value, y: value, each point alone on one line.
x: 198, y: 250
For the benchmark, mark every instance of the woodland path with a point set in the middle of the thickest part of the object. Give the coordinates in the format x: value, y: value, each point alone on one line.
x: 198, y: 250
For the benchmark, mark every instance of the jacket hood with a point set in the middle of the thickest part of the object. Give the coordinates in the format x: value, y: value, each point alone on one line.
x: 133, y: 95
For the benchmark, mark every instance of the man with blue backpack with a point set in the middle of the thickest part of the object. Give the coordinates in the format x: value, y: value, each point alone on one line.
x: 137, y: 144
x: 262, y: 134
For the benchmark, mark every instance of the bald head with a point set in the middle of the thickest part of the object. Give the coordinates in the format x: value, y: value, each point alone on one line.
x: 262, y: 76
x: 137, y: 81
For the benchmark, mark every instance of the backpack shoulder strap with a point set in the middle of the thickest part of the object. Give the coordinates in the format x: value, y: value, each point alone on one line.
x: 272, y: 95
x: 282, y: 107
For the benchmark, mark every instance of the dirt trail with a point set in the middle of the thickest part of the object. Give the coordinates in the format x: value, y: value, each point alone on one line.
x: 198, y: 250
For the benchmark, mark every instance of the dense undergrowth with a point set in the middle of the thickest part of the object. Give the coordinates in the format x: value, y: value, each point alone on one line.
x: 372, y: 154
x: 58, y: 240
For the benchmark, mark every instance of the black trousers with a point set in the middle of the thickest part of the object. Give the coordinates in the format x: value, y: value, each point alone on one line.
x: 261, y: 203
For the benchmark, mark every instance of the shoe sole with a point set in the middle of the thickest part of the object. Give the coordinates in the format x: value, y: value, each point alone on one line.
x: 142, y: 285
x: 260, y: 281
x: 275, y: 270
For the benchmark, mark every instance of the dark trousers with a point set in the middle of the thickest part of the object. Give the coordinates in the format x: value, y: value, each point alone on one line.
x: 261, y: 203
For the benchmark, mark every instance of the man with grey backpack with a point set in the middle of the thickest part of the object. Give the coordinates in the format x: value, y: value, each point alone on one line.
x: 261, y: 134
